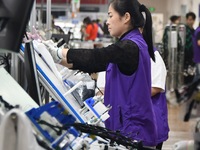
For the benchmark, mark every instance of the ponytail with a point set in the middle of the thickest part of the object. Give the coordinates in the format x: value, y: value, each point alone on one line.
x: 137, y: 19
x: 147, y: 31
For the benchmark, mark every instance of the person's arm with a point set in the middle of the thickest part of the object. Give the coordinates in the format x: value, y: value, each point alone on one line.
x: 125, y: 54
x: 158, y: 74
x: 64, y: 60
x: 155, y: 90
x: 198, y: 42
x: 198, y: 39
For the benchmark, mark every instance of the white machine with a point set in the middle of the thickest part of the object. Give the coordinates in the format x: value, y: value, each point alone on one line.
x: 91, y: 111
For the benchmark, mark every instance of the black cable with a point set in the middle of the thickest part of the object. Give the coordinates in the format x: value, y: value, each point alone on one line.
x: 5, y: 60
x: 59, y: 131
x: 2, y: 58
x: 42, y: 143
x: 7, y: 105
x: 95, y: 81
x: 94, y: 130
x: 113, y: 136
x: 99, y: 90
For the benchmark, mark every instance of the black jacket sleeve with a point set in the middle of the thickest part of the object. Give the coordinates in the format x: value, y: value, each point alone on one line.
x: 123, y: 53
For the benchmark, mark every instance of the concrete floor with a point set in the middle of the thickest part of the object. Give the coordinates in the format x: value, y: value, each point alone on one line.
x: 179, y: 130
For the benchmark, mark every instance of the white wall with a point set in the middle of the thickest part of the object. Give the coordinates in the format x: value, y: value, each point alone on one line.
x: 159, y: 5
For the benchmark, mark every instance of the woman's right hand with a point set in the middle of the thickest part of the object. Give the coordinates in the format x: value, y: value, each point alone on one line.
x: 54, y: 50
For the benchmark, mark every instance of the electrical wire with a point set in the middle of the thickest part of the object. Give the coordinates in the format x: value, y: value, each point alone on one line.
x: 115, y: 137
x: 5, y: 61
x: 42, y: 143
x: 99, y: 90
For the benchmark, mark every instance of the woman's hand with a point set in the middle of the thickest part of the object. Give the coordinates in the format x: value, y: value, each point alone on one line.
x: 59, y: 54
x: 54, y: 50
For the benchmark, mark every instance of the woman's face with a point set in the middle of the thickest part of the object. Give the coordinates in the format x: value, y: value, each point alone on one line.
x: 116, y: 23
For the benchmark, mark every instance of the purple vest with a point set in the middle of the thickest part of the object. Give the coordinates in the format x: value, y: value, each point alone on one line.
x: 130, y: 97
x: 161, y: 113
x: 196, y: 48
x: 160, y: 108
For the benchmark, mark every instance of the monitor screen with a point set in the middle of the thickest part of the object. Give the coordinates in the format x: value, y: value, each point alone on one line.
x: 14, y: 16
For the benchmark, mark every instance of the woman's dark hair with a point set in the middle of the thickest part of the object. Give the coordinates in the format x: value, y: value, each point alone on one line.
x: 87, y: 20
x: 135, y: 9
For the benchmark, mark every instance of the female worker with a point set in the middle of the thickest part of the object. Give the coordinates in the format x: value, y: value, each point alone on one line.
x: 90, y: 31
x: 158, y: 81
x: 127, y: 65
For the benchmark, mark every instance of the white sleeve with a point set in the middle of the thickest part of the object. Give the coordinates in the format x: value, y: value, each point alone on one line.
x: 101, y: 79
x: 158, y: 72
x: 100, y: 31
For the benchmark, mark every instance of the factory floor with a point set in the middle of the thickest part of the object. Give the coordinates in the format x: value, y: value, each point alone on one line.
x: 179, y: 130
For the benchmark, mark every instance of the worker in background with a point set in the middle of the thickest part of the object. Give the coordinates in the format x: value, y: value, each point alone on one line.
x: 174, y: 20
x: 100, y: 28
x: 188, y: 53
x: 188, y: 90
x: 128, y: 70
x: 192, y: 86
x: 91, y: 29
x: 196, y: 51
